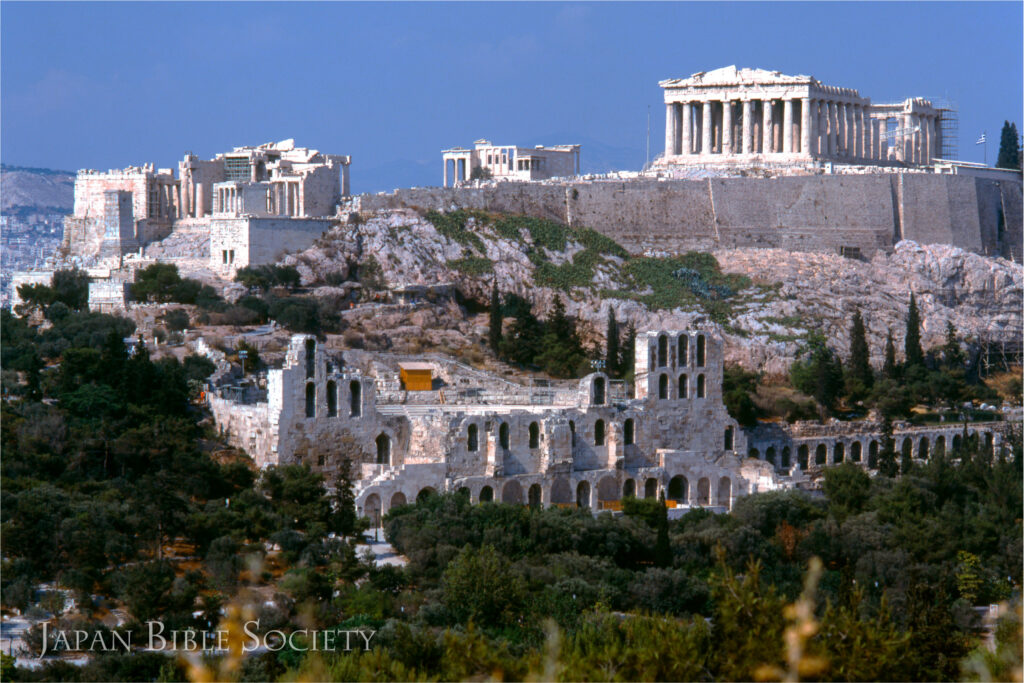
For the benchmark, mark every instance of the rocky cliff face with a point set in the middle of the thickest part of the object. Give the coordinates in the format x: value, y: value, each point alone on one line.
x: 788, y: 294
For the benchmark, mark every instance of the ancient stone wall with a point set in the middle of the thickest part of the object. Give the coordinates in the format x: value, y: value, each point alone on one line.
x: 807, y: 213
x: 260, y: 240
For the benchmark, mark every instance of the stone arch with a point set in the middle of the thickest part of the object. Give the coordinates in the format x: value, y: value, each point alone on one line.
x: 838, y: 452
x: 535, y: 496
x: 472, y: 438
x: 486, y: 495
x: 629, y: 489
x: 972, y: 442
x: 607, y: 489
x: 310, y: 357
x: 599, y: 433
x: 753, y: 453
x: 821, y: 454
x: 725, y: 492
x: 534, y: 435
x: 503, y: 439
x: 425, y: 493
x: 383, y: 443
x: 662, y: 350
x: 683, y: 388
x: 355, y: 399
x: 599, y: 391
x: 855, y: 448
x: 769, y: 455
x: 561, y: 492
x: 729, y: 435
x: 371, y: 509
x: 678, y: 489
x: 701, y: 389
x: 684, y: 349
x: 310, y: 399
x: 628, y: 435
x: 397, y: 499
x: 803, y: 456
x: 463, y: 492
x: 873, y: 454
x: 907, y: 450
x: 662, y: 386
x: 332, y: 399
x: 957, y: 442
x: 704, y: 491
x: 572, y: 433
x: 512, y: 492
x: 922, y: 448
x: 651, y: 488
x: 990, y: 442
x: 583, y: 494
x: 940, y: 445
x: 701, y: 350
x: 786, y: 457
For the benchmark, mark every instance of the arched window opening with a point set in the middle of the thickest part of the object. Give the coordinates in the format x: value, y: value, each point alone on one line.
x: 310, y: 357
x: 662, y: 351
x: 627, y: 432
x: 785, y: 457
x: 701, y: 350
x: 803, y: 455
x: 599, y: 391
x: 332, y: 399
x: 728, y: 438
x: 821, y: 454
x: 310, y: 399
x: 471, y: 438
x: 662, y: 386
x: 503, y: 435
x: 486, y: 494
x: 534, y: 435
x: 355, y: 401
x: 700, y: 386
x: 383, y: 449
x: 599, y: 433
x: 683, y: 386
x: 684, y: 350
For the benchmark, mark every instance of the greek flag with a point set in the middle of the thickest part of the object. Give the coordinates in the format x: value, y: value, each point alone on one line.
x: 981, y: 140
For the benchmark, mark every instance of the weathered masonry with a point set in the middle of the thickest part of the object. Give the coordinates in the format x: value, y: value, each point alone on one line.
x: 505, y: 162
x: 741, y: 116
x: 254, y: 201
x: 585, y: 443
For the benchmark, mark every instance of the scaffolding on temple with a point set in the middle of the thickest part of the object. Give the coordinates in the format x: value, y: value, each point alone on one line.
x: 949, y: 127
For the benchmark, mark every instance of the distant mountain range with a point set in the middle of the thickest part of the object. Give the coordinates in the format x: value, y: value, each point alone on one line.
x: 26, y: 191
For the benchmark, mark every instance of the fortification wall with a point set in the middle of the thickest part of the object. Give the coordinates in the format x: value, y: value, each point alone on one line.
x: 805, y: 213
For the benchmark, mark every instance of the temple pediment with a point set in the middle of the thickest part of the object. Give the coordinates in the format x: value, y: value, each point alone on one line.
x: 730, y: 75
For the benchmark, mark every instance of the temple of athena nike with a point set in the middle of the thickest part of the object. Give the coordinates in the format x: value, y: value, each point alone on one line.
x: 742, y: 117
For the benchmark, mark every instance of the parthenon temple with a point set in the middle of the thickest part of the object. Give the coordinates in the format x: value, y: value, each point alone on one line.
x: 739, y: 116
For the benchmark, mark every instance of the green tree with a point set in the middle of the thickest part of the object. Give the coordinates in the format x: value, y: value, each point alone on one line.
x: 1009, y: 147
x: 951, y: 351
x: 611, y: 336
x: 887, y: 454
x: 847, y: 488
x: 71, y: 288
x: 494, y: 326
x: 479, y: 585
x: 859, y: 377
x: 662, y: 549
x: 912, y: 351
x: 628, y: 356
x: 889, y: 368
x: 820, y: 373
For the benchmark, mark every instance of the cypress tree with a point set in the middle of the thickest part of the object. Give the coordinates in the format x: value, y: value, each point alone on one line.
x: 494, y: 331
x: 860, y: 364
x: 611, y: 356
x: 887, y: 456
x: 662, y: 548
x: 1009, y: 147
x: 628, y: 355
x: 912, y: 343
x: 889, y: 367
x: 953, y: 354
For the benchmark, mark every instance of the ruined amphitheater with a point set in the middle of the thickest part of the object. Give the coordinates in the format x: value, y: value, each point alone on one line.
x: 411, y: 428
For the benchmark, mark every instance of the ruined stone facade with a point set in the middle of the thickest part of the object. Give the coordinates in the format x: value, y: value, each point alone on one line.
x: 256, y: 203
x: 754, y: 116
x: 503, y: 162
x: 589, y: 444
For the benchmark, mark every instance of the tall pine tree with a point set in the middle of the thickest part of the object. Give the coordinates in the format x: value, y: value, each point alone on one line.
x: 912, y: 342
x: 494, y: 329
x: 860, y: 362
x: 628, y: 356
x: 889, y: 366
x: 611, y: 356
x: 1009, y: 147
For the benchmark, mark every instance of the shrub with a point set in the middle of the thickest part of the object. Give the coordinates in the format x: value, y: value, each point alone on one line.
x: 472, y: 265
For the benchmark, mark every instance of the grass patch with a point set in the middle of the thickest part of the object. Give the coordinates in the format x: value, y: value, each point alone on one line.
x: 472, y: 265
x: 453, y: 226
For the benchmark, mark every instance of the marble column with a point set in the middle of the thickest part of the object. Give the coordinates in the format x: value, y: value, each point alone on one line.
x: 687, y: 147
x: 727, y: 127
x: 766, y: 127
x: 670, y: 129
x: 858, y: 132
x: 821, y: 144
x: 748, y: 130
x: 806, y: 126
x: 833, y: 125
x: 787, y: 126
x: 444, y: 185
x: 705, y: 131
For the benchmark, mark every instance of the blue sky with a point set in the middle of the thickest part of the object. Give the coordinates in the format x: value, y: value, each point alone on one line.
x: 105, y: 85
